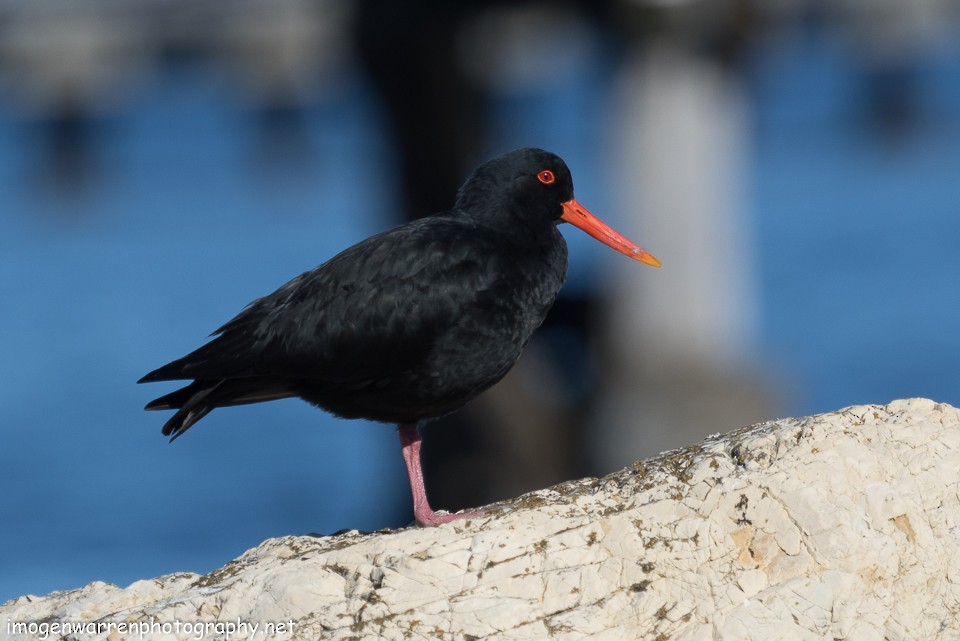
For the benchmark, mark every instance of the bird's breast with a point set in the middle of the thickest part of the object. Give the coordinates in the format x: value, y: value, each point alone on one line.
x: 492, y: 330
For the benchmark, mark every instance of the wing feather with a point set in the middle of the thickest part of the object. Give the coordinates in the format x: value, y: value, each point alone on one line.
x: 372, y: 311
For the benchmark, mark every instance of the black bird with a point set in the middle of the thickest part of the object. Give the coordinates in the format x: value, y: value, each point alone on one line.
x: 408, y: 324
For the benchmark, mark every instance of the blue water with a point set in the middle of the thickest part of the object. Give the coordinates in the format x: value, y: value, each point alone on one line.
x: 857, y: 232
x: 857, y: 260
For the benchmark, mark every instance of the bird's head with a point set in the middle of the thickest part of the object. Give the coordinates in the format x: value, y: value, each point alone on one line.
x: 535, y: 186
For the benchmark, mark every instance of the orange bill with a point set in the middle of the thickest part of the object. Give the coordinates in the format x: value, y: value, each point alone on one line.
x: 578, y: 216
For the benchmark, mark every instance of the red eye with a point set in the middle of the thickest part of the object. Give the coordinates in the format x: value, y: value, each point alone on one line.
x: 546, y: 177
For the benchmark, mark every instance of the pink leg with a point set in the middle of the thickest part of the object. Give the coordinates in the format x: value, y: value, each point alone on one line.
x: 410, y: 442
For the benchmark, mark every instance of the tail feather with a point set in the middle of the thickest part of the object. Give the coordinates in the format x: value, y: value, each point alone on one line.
x: 175, y: 400
x: 201, y: 397
x: 196, y: 407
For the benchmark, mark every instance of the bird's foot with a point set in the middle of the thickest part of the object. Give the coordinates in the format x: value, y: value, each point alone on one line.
x: 424, y: 514
x: 429, y: 518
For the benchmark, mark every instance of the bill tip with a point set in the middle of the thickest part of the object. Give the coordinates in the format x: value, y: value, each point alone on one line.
x: 646, y: 258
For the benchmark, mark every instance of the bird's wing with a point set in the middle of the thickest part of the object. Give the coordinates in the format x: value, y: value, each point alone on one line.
x: 372, y: 311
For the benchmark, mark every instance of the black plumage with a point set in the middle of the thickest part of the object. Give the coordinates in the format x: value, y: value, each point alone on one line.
x: 408, y: 324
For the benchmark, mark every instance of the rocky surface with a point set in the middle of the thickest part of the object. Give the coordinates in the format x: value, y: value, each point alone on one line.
x: 837, y: 526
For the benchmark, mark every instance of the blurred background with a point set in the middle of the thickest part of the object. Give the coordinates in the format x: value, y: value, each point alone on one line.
x: 795, y: 165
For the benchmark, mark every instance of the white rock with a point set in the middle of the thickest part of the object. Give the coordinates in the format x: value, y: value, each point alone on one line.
x: 843, y: 525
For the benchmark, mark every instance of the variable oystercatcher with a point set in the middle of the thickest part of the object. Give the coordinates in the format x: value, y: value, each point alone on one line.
x: 409, y: 324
